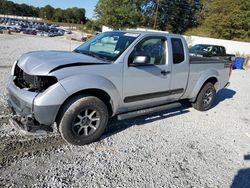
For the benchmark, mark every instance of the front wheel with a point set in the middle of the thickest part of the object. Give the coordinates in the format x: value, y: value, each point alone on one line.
x: 205, y: 98
x: 84, y: 120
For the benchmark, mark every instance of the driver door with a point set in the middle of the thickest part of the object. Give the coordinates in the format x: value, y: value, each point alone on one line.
x: 147, y: 83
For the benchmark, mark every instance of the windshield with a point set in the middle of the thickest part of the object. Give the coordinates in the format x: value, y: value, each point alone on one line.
x: 107, y: 46
x: 201, y: 48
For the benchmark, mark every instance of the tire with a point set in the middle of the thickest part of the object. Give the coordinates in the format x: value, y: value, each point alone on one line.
x: 207, y: 93
x: 83, y: 120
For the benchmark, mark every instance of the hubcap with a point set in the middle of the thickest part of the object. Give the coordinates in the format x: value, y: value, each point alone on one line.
x: 86, y: 122
x: 207, y: 98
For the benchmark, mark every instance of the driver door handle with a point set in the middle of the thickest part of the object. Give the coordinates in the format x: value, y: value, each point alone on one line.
x: 165, y: 72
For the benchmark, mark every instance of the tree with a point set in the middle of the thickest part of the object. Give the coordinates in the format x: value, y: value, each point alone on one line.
x: 79, y: 15
x: 59, y: 15
x: 93, y: 25
x: 47, y: 12
x: 73, y: 15
x: 245, y: 8
x: 173, y: 15
x: 118, y: 13
x: 178, y: 16
x: 226, y: 19
x: 7, y: 7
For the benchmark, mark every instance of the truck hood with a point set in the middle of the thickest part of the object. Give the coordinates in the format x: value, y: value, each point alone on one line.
x: 44, y: 62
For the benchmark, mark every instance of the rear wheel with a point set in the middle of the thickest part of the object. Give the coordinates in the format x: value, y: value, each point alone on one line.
x: 84, y: 120
x: 205, y: 98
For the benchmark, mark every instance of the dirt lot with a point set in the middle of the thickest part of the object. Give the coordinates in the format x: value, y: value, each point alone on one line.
x: 183, y: 148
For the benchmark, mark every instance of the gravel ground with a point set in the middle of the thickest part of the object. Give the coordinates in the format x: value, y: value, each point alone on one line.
x: 12, y: 46
x: 181, y: 148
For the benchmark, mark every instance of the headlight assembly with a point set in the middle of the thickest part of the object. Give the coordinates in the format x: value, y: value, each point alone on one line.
x: 33, y: 82
x: 41, y: 83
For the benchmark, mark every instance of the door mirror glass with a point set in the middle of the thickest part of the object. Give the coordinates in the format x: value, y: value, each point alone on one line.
x: 141, y: 60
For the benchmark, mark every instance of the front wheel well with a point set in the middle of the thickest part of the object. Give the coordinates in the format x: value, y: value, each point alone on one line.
x: 102, y: 95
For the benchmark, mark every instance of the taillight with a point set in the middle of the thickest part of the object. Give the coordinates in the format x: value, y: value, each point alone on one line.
x: 230, y: 69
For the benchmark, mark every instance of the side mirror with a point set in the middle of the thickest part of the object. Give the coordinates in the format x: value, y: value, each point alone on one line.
x: 231, y: 58
x: 140, y: 60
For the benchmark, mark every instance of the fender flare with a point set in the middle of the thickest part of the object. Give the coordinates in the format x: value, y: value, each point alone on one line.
x: 212, y: 73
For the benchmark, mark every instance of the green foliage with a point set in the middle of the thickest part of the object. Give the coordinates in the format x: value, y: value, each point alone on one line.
x: 174, y: 16
x: 46, y: 12
x: 178, y: 16
x: 245, y: 8
x: 118, y: 14
x: 227, y: 19
x: 93, y: 25
x: 8, y: 7
x: 70, y: 15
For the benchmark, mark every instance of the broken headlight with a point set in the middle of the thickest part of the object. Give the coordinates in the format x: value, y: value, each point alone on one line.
x: 32, y: 82
x: 41, y: 83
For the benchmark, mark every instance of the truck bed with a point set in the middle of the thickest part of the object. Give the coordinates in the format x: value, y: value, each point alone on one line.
x: 202, y: 68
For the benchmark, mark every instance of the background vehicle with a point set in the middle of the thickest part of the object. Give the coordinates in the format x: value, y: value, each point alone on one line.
x: 207, y: 50
x: 120, y: 73
x: 86, y: 37
x: 31, y: 28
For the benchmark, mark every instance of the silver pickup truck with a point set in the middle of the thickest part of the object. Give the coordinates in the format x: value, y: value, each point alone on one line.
x: 119, y: 73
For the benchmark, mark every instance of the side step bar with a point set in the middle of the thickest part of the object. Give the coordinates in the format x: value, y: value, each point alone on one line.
x: 148, y: 111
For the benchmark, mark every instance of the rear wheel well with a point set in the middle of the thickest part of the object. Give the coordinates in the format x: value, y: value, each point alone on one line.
x: 102, y: 95
x: 212, y: 80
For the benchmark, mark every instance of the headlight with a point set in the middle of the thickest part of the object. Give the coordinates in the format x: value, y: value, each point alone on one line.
x: 41, y: 83
x: 32, y: 82
x: 37, y: 83
x: 13, y: 68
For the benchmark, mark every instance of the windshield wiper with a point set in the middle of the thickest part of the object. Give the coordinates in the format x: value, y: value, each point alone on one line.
x: 85, y: 53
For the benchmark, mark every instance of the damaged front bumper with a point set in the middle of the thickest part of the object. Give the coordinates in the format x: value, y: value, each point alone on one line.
x: 29, y: 127
x: 21, y: 103
x: 27, y: 112
x: 20, y: 100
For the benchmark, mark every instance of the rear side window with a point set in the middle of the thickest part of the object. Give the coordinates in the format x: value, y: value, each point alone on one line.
x: 222, y: 50
x: 178, y: 50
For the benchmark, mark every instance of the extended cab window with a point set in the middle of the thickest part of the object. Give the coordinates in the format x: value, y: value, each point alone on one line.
x: 152, y: 47
x: 178, y: 50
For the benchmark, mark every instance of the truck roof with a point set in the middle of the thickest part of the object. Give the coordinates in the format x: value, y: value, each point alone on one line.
x: 150, y: 32
x: 209, y: 45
